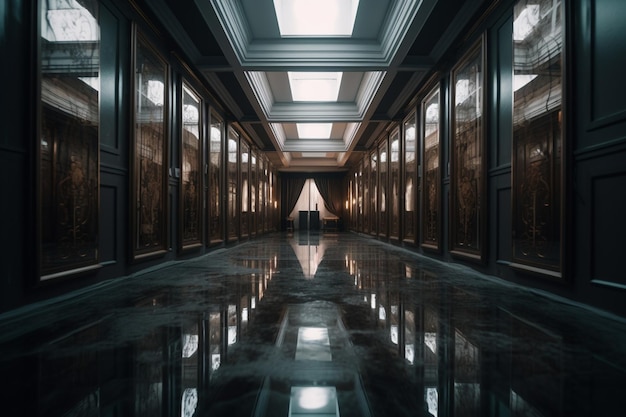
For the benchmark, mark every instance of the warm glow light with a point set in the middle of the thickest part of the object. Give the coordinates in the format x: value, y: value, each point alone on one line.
x: 314, y: 130
x: 314, y: 86
x: 316, y: 17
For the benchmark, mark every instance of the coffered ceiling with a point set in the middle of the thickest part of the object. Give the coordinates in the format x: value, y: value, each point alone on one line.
x: 257, y: 70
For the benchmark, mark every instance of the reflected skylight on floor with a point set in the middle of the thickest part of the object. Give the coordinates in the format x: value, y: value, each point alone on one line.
x: 314, y: 86
x: 313, y: 344
x: 313, y: 400
x: 316, y: 17
x: 314, y: 130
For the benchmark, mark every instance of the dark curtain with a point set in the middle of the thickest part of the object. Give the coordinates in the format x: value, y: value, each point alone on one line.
x: 331, y: 190
x: 291, y: 187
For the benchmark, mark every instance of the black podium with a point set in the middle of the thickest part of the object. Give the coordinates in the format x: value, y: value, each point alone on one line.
x: 309, y: 220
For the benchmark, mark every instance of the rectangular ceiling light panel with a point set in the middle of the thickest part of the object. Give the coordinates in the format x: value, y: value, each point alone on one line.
x: 314, y: 86
x: 316, y: 17
x: 314, y: 130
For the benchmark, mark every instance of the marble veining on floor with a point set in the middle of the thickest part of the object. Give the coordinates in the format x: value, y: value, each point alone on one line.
x: 310, y: 324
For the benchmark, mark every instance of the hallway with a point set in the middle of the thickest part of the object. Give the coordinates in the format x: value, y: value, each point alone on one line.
x: 310, y: 324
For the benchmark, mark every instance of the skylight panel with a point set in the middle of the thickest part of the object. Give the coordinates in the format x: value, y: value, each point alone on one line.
x: 314, y: 86
x: 314, y: 130
x: 316, y: 17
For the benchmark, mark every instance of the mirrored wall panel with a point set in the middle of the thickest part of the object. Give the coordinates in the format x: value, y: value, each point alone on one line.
x: 394, y: 183
x: 410, y: 180
x: 467, y: 177
x: 254, y: 189
x: 365, y: 201
x: 191, y: 184
x: 215, y: 193
x: 245, y: 188
x: 431, y: 176
x: 233, y: 184
x: 383, y: 181
x: 537, y: 133
x: 149, y: 204
x: 69, y: 119
x: 373, y: 188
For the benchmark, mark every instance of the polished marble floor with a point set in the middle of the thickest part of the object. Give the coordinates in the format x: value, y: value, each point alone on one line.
x: 311, y: 325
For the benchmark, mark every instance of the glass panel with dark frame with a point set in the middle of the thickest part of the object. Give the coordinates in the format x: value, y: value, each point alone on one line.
x: 191, y: 154
x: 245, y: 188
x: 262, y: 205
x: 394, y: 187
x: 149, y: 204
x: 373, y: 197
x: 354, y: 209
x: 383, y: 185
x: 537, y: 133
x: 365, y: 201
x: 254, y: 187
x: 467, y: 190
x: 273, y: 203
x: 233, y: 184
x: 409, y: 211
x: 432, y: 175
x: 216, y: 214
x: 69, y: 120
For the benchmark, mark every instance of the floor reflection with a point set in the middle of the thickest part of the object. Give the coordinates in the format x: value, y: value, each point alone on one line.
x: 247, y: 332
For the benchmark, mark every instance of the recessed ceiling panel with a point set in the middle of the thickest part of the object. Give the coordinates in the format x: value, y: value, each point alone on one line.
x: 314, y: 86
x: 316, y: 17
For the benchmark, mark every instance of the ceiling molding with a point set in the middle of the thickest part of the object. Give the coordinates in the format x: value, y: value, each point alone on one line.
x: 314, y: 145
x: 269, y: 54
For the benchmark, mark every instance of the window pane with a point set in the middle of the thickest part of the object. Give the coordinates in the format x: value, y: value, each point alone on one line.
x: 410, y: 179
x: 215, y: 179
x: 467, y: 149
x: 149, y: 150
x: 431, y: 118
x: 69, y: 141
x: 233, y: 184
x: 537, y: 132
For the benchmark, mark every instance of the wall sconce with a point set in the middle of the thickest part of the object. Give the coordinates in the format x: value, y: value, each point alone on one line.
x: 347, y: 204
x: 275, y: 204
